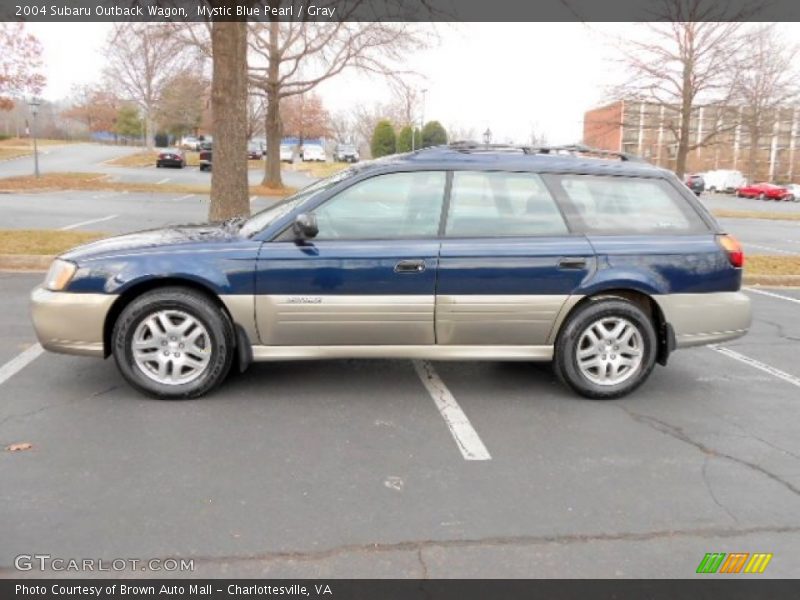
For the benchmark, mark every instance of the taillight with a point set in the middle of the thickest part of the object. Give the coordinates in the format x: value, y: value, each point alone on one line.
x: 733, y: 249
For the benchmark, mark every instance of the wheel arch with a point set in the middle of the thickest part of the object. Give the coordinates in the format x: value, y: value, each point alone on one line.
x: 644, y: 301
x: 242, y: 341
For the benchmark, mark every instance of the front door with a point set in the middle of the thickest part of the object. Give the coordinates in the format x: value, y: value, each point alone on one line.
x: 508, y: 263
x: 368, y: 277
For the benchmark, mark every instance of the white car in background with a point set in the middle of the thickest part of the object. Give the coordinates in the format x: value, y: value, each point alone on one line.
x: 794, y: 190
x: 287, y: 153
x: 314, y: 152
x: 724, y: 180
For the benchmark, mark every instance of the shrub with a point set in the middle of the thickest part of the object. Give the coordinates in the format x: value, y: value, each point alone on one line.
x: 383, y: 140
x: 433, y: 134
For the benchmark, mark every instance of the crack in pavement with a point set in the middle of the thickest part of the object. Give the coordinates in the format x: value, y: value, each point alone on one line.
x: 422, y: 564
x: 498, y: 541
x: 679, y: 434
x: 704, y: 474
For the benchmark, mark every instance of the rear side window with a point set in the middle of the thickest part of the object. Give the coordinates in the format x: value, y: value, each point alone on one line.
x: 627, y: 206
x: 493, y: 204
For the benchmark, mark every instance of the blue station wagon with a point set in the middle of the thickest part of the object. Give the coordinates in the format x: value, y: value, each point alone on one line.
x: 598, y: 262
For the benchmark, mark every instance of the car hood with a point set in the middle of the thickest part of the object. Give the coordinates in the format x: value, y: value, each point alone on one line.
x: 169, y: 237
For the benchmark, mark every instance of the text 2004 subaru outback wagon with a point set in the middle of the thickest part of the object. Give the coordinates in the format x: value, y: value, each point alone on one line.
x: 463, y: 253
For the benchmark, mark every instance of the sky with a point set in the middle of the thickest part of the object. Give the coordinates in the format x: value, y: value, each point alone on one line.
x: 512, y: 78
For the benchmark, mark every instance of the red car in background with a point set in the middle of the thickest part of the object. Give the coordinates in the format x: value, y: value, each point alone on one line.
x: 764, y: 191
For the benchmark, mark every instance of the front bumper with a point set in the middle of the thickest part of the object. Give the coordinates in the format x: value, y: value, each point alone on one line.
x: 70, y: 323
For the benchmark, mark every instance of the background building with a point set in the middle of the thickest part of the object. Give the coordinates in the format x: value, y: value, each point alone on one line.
x: 647, y: 129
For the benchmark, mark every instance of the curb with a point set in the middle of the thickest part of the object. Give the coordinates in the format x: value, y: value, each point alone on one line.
x: 25, y: 262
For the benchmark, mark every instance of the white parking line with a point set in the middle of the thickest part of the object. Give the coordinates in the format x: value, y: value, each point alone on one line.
x: 772, y: 249
x: 163, y: 181
x: 186, y: 197
x: 252, y: 198
x: 466, y: 437
x: 82, y: 223
x: 773, y: 295
x: 19, y: 362
x: 757, y: 364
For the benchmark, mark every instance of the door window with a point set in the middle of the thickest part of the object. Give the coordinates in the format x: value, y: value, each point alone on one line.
x: 491, y: 204
x: 396, y: 205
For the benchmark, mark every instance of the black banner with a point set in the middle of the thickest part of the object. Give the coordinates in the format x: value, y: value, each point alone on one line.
x: 399, y: 10
x: 250, y: 589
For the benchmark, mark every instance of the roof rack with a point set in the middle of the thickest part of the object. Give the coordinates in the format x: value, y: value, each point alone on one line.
x: 571, y: 149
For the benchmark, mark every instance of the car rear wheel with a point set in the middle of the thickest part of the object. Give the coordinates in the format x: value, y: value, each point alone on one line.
x: 606, y: 350
x: 173, y: 344
x: 762, y: 196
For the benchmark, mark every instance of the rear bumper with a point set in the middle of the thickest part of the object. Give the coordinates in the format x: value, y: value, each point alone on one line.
x: 700, y: 319
x: 70, y: 323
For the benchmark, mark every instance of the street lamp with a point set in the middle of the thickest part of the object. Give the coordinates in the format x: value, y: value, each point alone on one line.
x: 487, y: 136
x: 34, y: 106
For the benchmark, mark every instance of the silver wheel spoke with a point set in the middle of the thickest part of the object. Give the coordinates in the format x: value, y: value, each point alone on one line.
x: 171, y: 347
x: 609, y: 351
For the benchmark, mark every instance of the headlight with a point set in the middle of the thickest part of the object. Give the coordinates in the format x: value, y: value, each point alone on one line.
x: 59, y: 275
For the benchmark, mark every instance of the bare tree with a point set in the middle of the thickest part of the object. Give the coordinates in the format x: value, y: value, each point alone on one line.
x: 256, y: 113
x: 767, y: 82
x: 682, y: 64
x: 142, y: 59
x: 180, y: 109
x: 292, y: 58
x: 20, y: 61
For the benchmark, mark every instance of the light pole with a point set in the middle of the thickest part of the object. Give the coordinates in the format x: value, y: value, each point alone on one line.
x: 34, y: 106
x: 487, y: 136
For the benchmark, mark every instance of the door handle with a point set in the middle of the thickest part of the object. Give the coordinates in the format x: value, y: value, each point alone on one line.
x: 410, y: 266
x: 572, y: 263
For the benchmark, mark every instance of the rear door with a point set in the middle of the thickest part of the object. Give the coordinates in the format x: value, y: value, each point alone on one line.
x: 508, y: 263
x: 368, y: 277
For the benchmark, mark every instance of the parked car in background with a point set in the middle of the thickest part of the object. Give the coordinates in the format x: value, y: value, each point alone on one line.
x: 794, y: 190
x: 205, y: 156
x: 346, y: 153
x: 287, y: 153
x: 313, y: 152
x: 255, y: 151
x: 724, y: 180
x: 764, y: 191
x: 696, y: 183
x: 603, y: 267
x: 171, y: 157
x: 189, y: 142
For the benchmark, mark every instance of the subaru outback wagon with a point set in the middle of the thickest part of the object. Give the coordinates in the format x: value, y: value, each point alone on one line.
x: 599, y: 263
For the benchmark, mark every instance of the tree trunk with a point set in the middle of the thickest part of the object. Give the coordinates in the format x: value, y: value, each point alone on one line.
x: 229, y: 186
x: 148, y: 132
x: 686, y: 116
x: 272, y: 169
x: 752, y: 156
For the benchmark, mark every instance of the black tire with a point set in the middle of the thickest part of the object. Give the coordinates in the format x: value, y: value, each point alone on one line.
x: 158, y: 165
x: 565, y: 362
x: 198, y: 306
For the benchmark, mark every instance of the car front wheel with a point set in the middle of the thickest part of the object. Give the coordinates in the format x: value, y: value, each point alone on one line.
x: 606, y: 350
x: 173, y: 344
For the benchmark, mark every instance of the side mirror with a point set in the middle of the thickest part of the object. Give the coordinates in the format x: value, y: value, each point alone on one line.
x: 305, y: 226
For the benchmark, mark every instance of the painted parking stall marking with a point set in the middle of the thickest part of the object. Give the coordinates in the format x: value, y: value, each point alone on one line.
x: 19, y: 362
x: 89, y: 222
x: 773, y: 295
x: 757, y: 364
x: 464, y: 434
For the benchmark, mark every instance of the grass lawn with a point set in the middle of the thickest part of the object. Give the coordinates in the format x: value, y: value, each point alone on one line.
x: 771, y: 265
x: 319, y: 170
x: 755, y: 214
x: 99, y: 181
x: 43, y: 241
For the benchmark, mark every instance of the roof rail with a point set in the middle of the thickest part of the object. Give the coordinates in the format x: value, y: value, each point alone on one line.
x: 573, y: 149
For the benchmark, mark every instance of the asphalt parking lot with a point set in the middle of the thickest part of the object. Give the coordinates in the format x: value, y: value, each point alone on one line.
x: 347, y: 468
x: 350, y: 469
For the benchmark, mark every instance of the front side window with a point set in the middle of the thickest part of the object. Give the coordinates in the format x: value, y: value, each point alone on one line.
x: 622, y: 205
x: 396, y: 205
x: 492, y: 204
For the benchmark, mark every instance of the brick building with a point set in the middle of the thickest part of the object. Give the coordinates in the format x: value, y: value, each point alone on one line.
x: 646, y: 129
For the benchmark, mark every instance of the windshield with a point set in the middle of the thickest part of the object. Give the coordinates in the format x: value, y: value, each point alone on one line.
x: 268, y: 216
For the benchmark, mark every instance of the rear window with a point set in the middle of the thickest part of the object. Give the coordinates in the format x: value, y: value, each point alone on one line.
x: 616, y: 205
